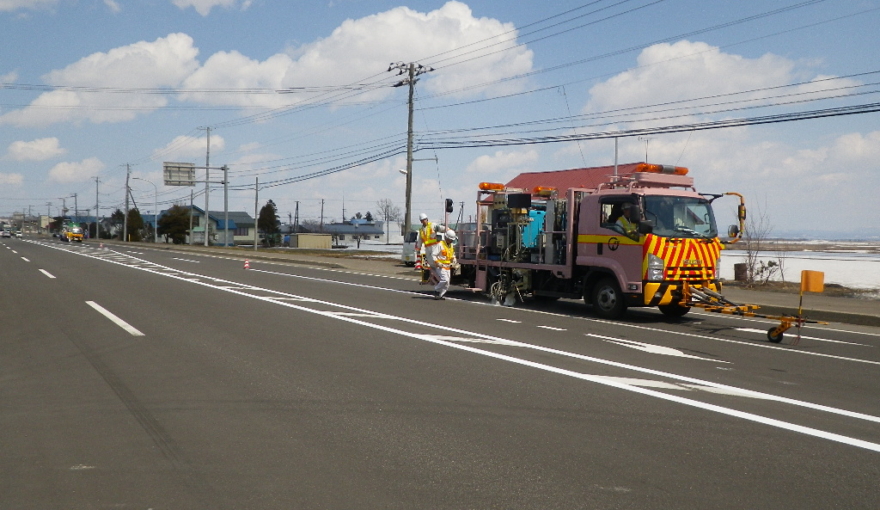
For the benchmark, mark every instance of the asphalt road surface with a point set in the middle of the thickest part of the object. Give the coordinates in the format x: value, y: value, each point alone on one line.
x: 151, y: 379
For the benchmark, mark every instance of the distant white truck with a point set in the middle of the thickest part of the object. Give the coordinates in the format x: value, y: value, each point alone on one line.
x: 409, y: 255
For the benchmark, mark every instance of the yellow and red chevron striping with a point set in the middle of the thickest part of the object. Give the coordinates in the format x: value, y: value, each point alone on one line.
x: 684, y: 259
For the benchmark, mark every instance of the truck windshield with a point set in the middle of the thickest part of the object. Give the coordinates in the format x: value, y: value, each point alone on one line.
x: 689, y: 217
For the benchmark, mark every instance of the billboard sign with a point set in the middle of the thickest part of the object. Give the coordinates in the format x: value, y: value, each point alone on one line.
x: 179, y: 174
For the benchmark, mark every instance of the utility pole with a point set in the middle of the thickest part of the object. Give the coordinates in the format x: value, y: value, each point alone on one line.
x: 226, y: 207
x: 76, y: 209
x: 155, y: 209
x: 97, y: 212
x: 207, y: 178
x: 256, y: 217
x: 615, y: 156
x: 296, y: 219
x: 645, y: 139
x: 412, y: 70
x: 191, y: 210
x: 125, y: 221
x: 322, y: 215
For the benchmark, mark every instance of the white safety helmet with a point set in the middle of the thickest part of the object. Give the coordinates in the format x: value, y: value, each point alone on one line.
x: 423, y: 217
x: 450, y: 235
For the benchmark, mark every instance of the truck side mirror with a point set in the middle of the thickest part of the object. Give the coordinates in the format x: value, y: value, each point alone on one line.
x: 646, y: 226
x: 732, y: 231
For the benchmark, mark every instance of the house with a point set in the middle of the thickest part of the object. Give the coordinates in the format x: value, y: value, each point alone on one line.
x: 354, y: 231
x: 239, y: 231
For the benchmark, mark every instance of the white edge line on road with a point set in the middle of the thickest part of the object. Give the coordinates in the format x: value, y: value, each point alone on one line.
x: 47, y: 273
x: 184, y: 276
x: 804, y: 337
x: 599, y: 379
x: 114, y: 319
x: 596, y: 379
x: 592, y: 378
x: 620, y: 324
x: 24, y: 259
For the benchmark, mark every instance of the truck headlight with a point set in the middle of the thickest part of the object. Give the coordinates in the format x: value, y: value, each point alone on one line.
x: 655, y: 268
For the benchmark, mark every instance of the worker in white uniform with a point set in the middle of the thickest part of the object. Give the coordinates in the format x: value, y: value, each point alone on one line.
x: 444, y: 256
x: 428, y: 239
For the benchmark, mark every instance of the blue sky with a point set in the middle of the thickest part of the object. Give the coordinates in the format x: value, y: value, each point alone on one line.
x: 90, y: 86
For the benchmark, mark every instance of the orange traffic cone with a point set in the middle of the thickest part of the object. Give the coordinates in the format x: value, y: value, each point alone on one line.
x: 247, y: 264
x: 419, y: 264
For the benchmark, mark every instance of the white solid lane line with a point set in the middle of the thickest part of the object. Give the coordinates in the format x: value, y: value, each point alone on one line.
x: 47, y: 273
x: 762, y: 332
x: 116, y: 320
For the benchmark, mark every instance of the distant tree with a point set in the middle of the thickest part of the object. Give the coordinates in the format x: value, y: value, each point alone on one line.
x: 388, y: 212
x: 757, y: 243
x: 309, y: 226
x: 269, y: 223
x: 368, y: 216
x: 174, y: 224
x: 135, y: 226
x: 116, y: 221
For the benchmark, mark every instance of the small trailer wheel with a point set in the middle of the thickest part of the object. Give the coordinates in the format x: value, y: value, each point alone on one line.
x: 774, y: 338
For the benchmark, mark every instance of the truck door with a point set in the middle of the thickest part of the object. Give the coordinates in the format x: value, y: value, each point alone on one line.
x: 622, y: 246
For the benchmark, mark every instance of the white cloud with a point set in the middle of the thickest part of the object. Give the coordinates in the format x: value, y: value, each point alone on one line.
x: 361, y: 47
x: 189, y: 148
x: 164, y: 62
x: 113, y: 5
x: 11, y: 179
x: 10, y: 77
x: 232, y: 70
x: 364, y: 47
x: 204, y: 7
x: 505, y: 163
x: 13, y: 5
x: 76, y: 172
x: 798, y: 188
x: 781, y: 176
x: 684, y: 70
x: 37, y: 150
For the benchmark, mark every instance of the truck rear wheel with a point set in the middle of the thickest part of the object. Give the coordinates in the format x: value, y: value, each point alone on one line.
x: 607, y: 300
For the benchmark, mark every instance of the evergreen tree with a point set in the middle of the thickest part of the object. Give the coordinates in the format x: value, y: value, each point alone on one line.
x: 135, y: 226
x: 269, y: 223
x: 174, y: 224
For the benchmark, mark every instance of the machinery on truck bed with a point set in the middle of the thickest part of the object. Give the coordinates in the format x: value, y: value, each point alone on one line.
x: 647, y: 238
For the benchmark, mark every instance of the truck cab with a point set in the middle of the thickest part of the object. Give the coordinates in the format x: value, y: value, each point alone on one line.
x: 647, y: 236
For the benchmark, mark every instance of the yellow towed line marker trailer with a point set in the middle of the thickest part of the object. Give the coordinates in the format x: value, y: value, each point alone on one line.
x: 811, y: 281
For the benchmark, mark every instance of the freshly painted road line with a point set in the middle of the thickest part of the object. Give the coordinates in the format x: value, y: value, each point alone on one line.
x: 281, y: 298
x: 47, y: 273
x: 114, y: 319
x: 803, y: 337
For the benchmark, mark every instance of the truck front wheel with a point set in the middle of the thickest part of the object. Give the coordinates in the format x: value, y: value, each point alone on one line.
x: 607, y: 300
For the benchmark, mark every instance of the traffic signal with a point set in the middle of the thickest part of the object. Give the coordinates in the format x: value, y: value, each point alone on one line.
x: 449, y: 205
